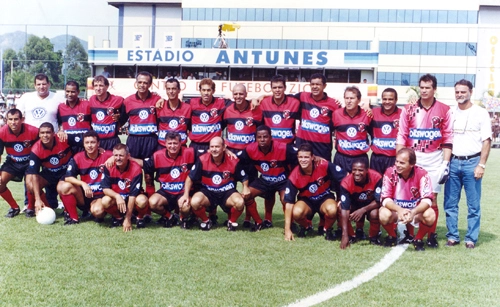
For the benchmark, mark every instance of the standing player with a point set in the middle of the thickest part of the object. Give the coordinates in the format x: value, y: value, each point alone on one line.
x: 73, y: 116
x: 218, y: 176
x: 471, y: 147
x: 107, y: 113
x: 426, y: 127
x: 51, y: 155
x: 360, y: 199
x: 121, y: 185
x: 312, y: 180
x: 17, y: 138
x: 86, y: 192
x: 175, y: 116
x: 351, y: 126
x: 406, y: 198
x: 172, y: 165
x: 140, y: 108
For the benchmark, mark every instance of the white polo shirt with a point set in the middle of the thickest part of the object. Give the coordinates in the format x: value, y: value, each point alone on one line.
x: 37, y: 110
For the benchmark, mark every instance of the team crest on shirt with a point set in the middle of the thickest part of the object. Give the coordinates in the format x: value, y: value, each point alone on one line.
x: 395, y: 124
x: 214, y: 112
x: 182, y: 120
x: 80, y: 117
x: 325, y: 111
x: 286, y: 114
x: 369, y: 194
x: 61, y: 154
x: 184, y: 167
x: 152, y: 110
x: 226, y: 175
x: 361, y: 127
x: 274, y: 163
x: 415, y: 193
x: 436, y: 122
x: 320, y: 181
x: 110, y: 111
x: 249, y: 121
x: 127, y: 183
x: 27, y: 143
x: 101, y: 168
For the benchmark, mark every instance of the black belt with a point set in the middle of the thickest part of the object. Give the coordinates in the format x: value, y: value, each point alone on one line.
x: 466, y: 157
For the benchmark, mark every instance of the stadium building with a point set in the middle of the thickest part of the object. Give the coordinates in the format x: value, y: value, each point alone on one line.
x: 374, y: 44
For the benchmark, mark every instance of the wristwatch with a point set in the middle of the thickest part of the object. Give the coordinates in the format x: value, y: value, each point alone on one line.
x: 482, y: 165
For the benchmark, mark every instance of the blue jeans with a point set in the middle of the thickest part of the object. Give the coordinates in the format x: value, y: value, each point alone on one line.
x: 462, y: 175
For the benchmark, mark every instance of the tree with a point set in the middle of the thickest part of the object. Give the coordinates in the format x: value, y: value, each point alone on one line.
x: 77, y: 67
x: 40, y: 58
x: 10, y: 60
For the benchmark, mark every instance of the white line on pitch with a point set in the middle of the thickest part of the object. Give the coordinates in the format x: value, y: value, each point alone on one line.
x: 365, y: 276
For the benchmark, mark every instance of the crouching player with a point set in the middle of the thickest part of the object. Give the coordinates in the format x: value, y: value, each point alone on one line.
x: 86, y: 192
x: 171, y: 165
x: 313, y: 181
x: 121, y: 185
x: 406, y: 198
x: 218, y: 175
x: 360, y: 199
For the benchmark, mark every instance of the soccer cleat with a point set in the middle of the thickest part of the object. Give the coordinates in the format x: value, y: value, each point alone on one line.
x: 375, y: 241
x: 353, y: 240
x: 267, y: 224
x: 294, y: 228
x: 321, y: 231
x: 71, y: 222
x: 116, y: 222
x: 175, y: 219
x: 329, y: 235
x: 86, y: 215
x: 192, y: 220
x: 213, y: 219
x: 65, y: 216
x: 247, y: 224
x: 12, y: 212
x: 206, y: 226
x: 29, y: 213
x: 256, y: 227
x: 98, y: 220
x: 390, y: 241
x: 147, y: 218
x: 419, y: 245
x: 360, y: 235
x: 184, y: 224
x: 171, y: 222
x: 140, y: 223
x: 303, y: 231
x: 231, y: 226
x: 408, y: 239
x: 432, y: 241
x: 337, y: 234
x: 161, y: 220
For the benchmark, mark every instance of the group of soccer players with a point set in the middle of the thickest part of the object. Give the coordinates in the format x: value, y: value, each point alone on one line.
x: 278, y: 143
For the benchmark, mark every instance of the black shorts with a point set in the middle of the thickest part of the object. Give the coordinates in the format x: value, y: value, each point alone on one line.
x: 366, y: 216
x: 199, y: 148
x: 268, y: 190
x: 142, y: 147
x: 15, y: 168
x: 77, y: 139
x: 218, y: 198
x: 171, y: 199
x: 315, y: 205
x: 52, y: 177
x: 323, y: 150
x: 345, y: 161
x: 250, y: 169
x: 108, y: 144
x: 381, y: 163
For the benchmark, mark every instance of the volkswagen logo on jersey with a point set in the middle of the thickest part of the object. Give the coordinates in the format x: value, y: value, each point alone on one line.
x: 173, y: 124
x: 71, y: 121
x: 204, y: 117
x: 111, y: 111
x: 324, y: 111
x: 249, y: 121
x: 100, y: 115
x: 38, y: 113
x: 361, y: 127
x: 313, y: 188
x: 276, y: 119
x: 143, y: 114
x: 264, y: 167
x: 54, y: 161
x: 314, y: 113
x: 363, y: 196
x: 121, y: 185
x: 175, y: 173
x: 386, y: 129
x: 239, y: 125
x: 213, y: 112
x: 18, y: 147
x: 216, y: 179
x: 93, y: 174
x: 286, y: 114
x: 351, y: 132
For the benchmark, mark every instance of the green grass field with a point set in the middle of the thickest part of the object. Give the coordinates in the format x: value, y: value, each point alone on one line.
x: 92, y: 265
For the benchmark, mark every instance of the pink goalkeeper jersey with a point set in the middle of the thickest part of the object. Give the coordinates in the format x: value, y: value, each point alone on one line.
x: 406, y: 193
x: 426, y: 130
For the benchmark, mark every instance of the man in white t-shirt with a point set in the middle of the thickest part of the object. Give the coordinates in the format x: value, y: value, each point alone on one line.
x: 40, y: 106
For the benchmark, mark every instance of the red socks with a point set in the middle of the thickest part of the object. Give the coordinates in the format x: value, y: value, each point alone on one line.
x: 69, y: 202
x: 269, y: 205
x: 251, y: 210
x: 433, y: 227
x: 235, y: 214
x: 7, y: 195
x: 391, y: 229
x: 374, y: 228
x: 201, y: 214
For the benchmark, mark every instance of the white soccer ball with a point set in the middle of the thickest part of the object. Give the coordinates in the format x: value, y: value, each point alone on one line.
x: 46, y: 216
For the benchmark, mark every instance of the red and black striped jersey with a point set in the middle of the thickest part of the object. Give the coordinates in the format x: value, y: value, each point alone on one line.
x: 90, y: 170
x: 141, y: 114
x: 241, y: 126
x: 217, y: 178
x: 384, y: 131
x: 102, y: 115
x: 281, y: 118
x: 18, y: 148
x: 74, y: 120
x: 351, y: 132
x: 178, y: 120
x: 206, y: 120
x: 170, y: 173
x: 126, y: 183
x: 53, y: 160
x: 274, y: 166
x: 353, y: 195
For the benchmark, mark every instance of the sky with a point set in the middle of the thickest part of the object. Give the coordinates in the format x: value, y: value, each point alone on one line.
x: 50, y: 17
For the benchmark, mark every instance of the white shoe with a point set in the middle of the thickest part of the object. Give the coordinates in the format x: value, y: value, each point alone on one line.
x: 60, y: 205
x: 24, y: 209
